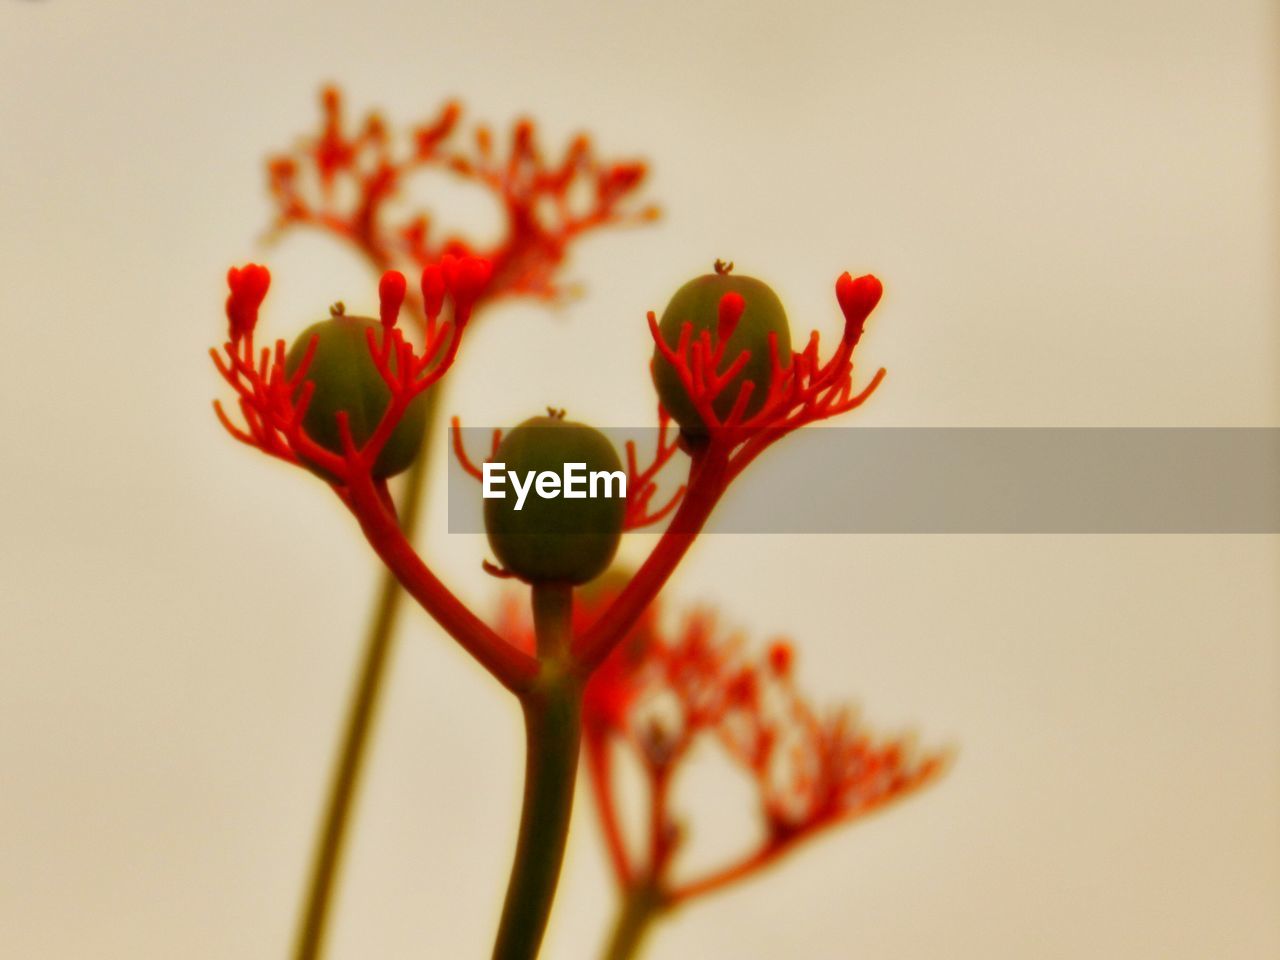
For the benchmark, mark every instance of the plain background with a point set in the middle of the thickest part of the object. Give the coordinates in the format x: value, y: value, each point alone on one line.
x: 1074, y: 209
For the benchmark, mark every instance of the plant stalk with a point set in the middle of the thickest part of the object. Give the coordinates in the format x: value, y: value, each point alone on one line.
x: 344, y: 782
x: 552, y: 715
x: 640, y: 907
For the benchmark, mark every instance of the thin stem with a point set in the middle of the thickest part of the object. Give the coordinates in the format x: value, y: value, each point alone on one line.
x: 661, y: 837
x: 767, y: 853
x: 706, y: 485
x: 599, y: 770
x: 510, y: 666
x: 640, y: 908
x: 344, y: 782
x: 552, y: 715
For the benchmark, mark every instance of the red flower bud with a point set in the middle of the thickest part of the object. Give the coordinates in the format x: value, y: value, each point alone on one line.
x: 390, y: 297
x: 472, y: 277
x: 730, y: 312
x: 857, y: 299
x: 433, y: 287
x: 781, y: 657
x: 248, y: 286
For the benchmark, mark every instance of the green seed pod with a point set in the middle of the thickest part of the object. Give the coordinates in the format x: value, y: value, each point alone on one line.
x: 555, y: 539
x: 346, y: 378
x: 698, y: 303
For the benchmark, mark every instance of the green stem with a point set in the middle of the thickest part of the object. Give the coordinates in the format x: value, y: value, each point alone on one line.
x: 640, y: 907
x: 345, y: 779
x: 552, y: 716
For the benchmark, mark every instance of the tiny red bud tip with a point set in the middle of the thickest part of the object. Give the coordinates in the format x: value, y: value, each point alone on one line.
x: 466, y: 276
x: 626, y: 175
x: 731, y: 307
x: 248, y: 287
x: 473, y: 276
x: 433, y: 287
x: 781, y: 658
x: 390, y: 296
x: 857, y: 299
x: 743, y: 690
x: 449, y: 270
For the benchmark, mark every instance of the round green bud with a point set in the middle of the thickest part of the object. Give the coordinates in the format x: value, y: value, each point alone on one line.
x: 346, y: 379
x: 698, y: 303
x: 554, y: 539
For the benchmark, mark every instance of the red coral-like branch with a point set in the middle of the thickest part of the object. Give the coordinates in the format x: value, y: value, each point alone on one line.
x: 342, y: 180
x: 663, y: 698
x: 273, y: 402
x: 642, y: 483
x: 668, y: 698
x: 801, y: 391
x: 804, y: 391
x: 273, y: 405
x: 460, y: 449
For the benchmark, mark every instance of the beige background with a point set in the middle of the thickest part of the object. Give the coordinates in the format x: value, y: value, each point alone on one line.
x: 1073, y: 207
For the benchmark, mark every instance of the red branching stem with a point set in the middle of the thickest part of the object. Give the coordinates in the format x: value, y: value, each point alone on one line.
x: 596, y: 751
x: 740, y: 870
x: 663, y: 696
x: 804, y: 390
x: 343, y: 179
x: 706, y: 485
x: 776, y: 846
x: 271, y: 401
x: 513, y: 668
x: 801, y: 392
x: 663, y: 835
x: 273, y: 404
x: 460, y: 449
x: 641, y: 484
